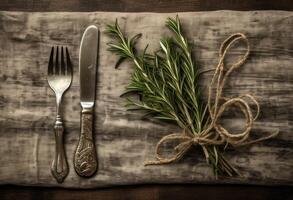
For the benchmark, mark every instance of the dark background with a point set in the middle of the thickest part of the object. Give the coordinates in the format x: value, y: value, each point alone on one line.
x: 148, y: 192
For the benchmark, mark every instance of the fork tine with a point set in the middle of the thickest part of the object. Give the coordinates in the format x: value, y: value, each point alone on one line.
x: 62, y: 62
x: 68, y: 62
x: 51, y: 64
x: 57, y: 66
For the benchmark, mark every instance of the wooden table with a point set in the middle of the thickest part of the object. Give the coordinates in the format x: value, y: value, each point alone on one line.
x: 148, y: 191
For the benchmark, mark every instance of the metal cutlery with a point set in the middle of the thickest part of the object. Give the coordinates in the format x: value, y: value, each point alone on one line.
x: 59, y: 79
x: 85, y: 158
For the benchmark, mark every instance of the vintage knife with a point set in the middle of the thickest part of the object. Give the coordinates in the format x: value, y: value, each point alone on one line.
x: 85, y: 157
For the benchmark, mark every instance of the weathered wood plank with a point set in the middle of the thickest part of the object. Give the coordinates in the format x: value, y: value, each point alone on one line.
x: 123, y: 140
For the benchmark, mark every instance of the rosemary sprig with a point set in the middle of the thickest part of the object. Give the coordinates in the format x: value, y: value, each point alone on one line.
x: 167, y: 84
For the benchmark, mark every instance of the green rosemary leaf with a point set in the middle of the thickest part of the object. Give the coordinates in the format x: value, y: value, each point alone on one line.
x: 134, y: 39
x: 121, y: 59
x: 165, y: 84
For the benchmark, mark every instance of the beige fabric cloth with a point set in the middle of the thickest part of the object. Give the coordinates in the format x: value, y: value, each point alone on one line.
x: 124, y: 142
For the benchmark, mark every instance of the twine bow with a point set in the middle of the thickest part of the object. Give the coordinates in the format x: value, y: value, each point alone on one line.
x: 215, y: 133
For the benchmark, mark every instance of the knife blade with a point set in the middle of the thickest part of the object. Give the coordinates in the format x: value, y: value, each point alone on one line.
x: 85, y: 157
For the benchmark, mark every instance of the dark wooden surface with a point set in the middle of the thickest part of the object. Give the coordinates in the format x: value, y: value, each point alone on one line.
x: 144, y: 5
x: 148, y: 191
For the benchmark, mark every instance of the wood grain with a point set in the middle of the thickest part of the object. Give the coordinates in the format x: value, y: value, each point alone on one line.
x: 151, y: 192
x: 123, y: 140
x: 144, y: 6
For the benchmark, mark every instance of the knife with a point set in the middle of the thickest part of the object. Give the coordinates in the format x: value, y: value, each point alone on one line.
x: 85, y: 157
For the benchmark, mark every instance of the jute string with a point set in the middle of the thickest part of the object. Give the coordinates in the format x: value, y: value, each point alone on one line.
x: 215, y: 133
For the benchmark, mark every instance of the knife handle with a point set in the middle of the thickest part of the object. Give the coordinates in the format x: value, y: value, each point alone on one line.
x: 85, y: 158
x: 59, y: 166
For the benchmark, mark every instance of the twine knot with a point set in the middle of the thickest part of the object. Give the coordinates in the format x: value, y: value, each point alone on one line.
x: 196, y: 140
x: 215, y: 133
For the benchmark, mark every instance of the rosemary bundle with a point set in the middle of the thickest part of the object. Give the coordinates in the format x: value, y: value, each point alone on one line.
x: 166, y: 83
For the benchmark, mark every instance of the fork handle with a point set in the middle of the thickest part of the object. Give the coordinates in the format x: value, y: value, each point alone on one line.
x: 59, y: 166
x: 85, y: 158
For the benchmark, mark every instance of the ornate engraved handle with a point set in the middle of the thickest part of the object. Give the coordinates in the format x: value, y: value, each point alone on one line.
x: 85, y: 158
x: 59, y: 166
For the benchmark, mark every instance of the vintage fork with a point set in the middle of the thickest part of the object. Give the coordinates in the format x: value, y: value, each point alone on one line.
x: 59, y: 79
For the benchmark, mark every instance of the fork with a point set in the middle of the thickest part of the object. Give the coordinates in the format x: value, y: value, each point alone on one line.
x: 59, y: 79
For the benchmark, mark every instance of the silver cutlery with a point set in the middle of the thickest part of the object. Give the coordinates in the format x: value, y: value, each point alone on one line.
x: 85, y: 158
x: 59, y: 79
